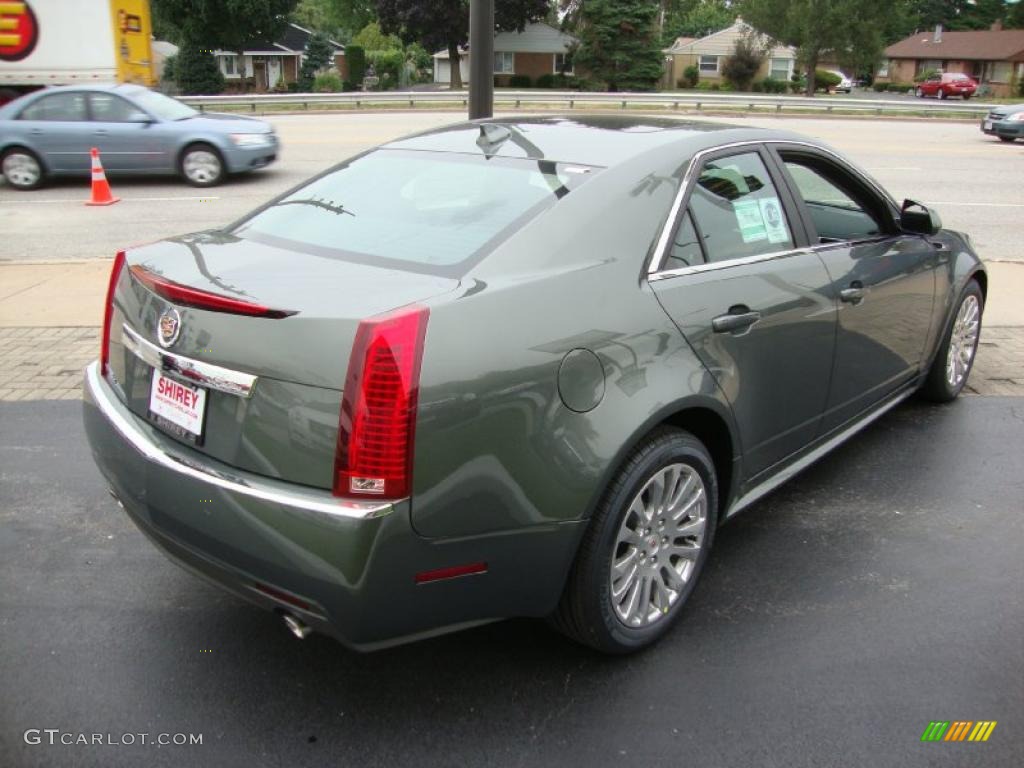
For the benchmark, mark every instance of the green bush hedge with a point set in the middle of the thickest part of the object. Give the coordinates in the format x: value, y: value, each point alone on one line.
x: 770, y: 85
x: 328, y: 82
x: 546, y: 80
x: 824, y: 81
x: 524, y: 81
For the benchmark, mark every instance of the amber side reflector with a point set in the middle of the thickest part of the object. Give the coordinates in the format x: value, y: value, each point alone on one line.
x: 452, y: 572
x: 186, y: 296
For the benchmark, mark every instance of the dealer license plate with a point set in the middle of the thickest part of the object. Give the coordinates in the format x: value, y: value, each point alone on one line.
x: 178, y: 408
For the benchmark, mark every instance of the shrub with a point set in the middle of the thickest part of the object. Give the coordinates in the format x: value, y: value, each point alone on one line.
x: 825, y: 81
x: 880, y: 87
x: 524, y: 81
x: 705, y: 85
x: 1020, y: 87
x: 196, y: 72
x: 925, y: 74
x: 388, y: 65
x: 742, y: 66
x: 757, y: 87
x: 771, y: 85
x: 548, y: 81
x: 691, y: 76
x: 328, y: 82
x: 562, y: 82
x: 355, y: 55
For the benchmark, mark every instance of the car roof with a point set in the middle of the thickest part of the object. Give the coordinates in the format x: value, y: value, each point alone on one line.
x: 126, y: 88
x: 595, y: 140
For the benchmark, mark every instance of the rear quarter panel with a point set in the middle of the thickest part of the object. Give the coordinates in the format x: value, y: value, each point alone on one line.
x: 496, y: 447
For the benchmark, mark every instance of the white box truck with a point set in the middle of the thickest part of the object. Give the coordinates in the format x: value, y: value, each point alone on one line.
x: 60, y: 42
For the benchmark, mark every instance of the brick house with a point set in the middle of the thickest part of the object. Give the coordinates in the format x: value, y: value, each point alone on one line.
x: 994, y: 57
x: 270, y: 62
x: 539, y: 49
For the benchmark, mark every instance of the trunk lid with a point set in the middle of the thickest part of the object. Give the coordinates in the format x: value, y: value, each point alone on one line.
x: 287, y: 426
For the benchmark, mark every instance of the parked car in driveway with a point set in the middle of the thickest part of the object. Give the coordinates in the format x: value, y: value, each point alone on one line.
x: 1005, y: 122
x: 944, y: 85
x: 516, y: 367
x: 845, y: 83
x: 49, y: 133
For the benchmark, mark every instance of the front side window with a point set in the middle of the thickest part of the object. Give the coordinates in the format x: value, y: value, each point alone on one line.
x: 504, y: 63
x: 59, y: 107
x: 708, y: 63
x: 840, y: 211
x: 163, y: 107
x: 737, y: 209
x: 107, y: 108
x: 422, y: 211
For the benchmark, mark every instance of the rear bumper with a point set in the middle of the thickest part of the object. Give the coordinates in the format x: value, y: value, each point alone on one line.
x: 347, y: 570
x: 1010, y: 128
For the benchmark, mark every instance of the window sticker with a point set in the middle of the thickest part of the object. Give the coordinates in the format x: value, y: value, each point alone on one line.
x: 774, y: 222
x: 750, y: 221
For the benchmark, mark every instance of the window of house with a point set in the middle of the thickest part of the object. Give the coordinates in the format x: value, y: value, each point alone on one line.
x: 563, y: 64
x: 60, y: 107
x: 781, y: 69
x: 504, y: 63
x: 230, y: 65
x: 1001, y: 72
x: 883, y: 68
x: 737, y: 210
x: 708, y: 63
x: 839, y: 209
x: 924, y: 65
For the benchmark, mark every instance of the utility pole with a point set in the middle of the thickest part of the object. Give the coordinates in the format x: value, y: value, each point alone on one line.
x: 481, y: 59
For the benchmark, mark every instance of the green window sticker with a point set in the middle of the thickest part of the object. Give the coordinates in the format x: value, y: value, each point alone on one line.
x: 774, y: 220
x: 750, y: 220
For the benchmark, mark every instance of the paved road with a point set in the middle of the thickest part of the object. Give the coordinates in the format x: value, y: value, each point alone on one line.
x: 878, y: 592
x: 973, y: 180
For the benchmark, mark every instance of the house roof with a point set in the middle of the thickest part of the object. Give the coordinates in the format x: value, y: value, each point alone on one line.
x: 722, y: 42
x: 538, y: 37
x: 985, y: 45
x: 293, y: 39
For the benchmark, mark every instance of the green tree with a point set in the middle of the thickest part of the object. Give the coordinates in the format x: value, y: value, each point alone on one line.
x: 319, y: 54
x: 373, y: 39
x: 741, y: 67
x: 196, y: 71
x: 817, y: 27
x: 445, y: 23
x: 619, y: 44
x: 355, y: 55
x: 695, y: 18
x: 1015, y: 18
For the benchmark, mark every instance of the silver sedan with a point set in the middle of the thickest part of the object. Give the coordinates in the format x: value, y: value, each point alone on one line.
x: 137, y: 131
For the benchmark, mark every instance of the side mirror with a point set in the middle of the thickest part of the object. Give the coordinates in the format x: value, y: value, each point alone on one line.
x: 917, y: 219
x: 140, y: 117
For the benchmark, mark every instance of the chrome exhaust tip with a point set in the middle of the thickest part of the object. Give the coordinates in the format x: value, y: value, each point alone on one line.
x: 297, y: 627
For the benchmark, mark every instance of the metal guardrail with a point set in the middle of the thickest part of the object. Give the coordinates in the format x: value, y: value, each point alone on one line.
x: 574, y: 99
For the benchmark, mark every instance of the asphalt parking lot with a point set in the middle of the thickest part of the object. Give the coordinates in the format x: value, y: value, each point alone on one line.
x: 970, y: 178
x: 879, y: 591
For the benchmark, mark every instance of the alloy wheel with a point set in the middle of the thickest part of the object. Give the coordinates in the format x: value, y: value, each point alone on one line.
x: 202, y: 166
x: 963, y: 341
x: 658, y: 545
x: 21, y: 169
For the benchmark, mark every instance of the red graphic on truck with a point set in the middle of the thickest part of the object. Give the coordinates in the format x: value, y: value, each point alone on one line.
x: 19, y: 30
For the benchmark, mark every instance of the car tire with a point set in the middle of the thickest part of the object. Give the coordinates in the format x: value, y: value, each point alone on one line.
x: 941, y: 94
x: 201, y: 165
x: 955, y: 358
x: 626, y: 525
x: 967, y: 97
x: 1008, y: 139
x: 22, y: 169
x: 919, y: 93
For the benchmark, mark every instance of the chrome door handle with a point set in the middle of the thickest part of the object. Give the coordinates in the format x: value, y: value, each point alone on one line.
x: 36, y: 131
x: 101, y: 131
x: 854, y: 294
x: 737, y: 321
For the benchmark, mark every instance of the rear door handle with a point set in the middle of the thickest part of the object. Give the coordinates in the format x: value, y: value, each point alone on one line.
x: 854, y: 294
x: 36, y: 131
x: 737, y: 321
x: 101, y: 131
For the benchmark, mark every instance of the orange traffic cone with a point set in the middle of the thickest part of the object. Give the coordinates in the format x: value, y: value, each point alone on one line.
x: 101, y: 194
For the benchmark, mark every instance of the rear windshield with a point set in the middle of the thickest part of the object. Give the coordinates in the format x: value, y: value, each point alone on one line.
x: 423, y: 211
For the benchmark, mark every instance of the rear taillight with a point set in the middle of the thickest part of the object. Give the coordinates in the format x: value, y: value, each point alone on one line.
x: 186, y: 296
x: 108, y: 311
x: 378, y: 407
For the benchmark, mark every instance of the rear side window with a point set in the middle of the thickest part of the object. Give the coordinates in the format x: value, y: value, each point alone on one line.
x: 60, y: 107
x: 737, y: 209
x: 425, y: 211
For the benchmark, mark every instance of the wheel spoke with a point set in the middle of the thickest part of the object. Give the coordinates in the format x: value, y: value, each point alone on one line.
x: 626, y: 582
x: 694, y: 527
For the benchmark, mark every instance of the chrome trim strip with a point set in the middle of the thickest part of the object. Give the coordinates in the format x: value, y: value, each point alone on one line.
x: 654, y: 270
x: 204, y: 374
x: 274, y: 491
x: 714, y: 265
x: 767, y: 486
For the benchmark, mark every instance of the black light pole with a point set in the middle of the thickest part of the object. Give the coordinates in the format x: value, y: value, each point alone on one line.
x: 481, y: 59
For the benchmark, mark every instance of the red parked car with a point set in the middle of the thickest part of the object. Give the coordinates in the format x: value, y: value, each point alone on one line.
x: 945, y: 85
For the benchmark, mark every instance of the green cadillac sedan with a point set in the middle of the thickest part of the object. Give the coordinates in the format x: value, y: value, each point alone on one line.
x: 518, y: 367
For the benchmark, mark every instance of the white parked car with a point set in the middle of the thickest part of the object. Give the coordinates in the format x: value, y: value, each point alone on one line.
x: 845, y: 83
